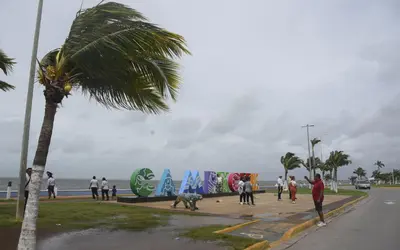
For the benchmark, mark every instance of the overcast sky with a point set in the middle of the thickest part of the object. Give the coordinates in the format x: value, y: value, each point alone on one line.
x: 259, y: 70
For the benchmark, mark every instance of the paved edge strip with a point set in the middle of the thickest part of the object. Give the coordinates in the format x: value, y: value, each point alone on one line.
x: 235, y: 227
x: 301, y: 227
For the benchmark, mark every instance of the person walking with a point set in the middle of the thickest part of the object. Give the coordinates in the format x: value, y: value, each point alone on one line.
x: 94, y: 186
x: 288, y: 183
x: 242, y: 194
x: 248, y: 188
x: 28, y: 181
x: 318, y: 197
x: 104, y: 189
x: 51, y: 182
x: 293, y: 189
x: 280, y: 187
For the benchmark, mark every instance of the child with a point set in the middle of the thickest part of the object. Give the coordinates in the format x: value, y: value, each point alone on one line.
x: 114, y: 193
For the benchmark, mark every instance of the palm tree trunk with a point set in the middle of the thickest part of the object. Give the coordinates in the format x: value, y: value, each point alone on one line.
x: 27, y: 238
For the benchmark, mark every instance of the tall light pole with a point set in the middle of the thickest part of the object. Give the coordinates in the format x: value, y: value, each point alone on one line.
x: 308, y: 126
x: 27, y: 121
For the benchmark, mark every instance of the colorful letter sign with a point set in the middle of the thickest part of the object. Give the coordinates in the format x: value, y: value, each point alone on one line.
x: 233, y: 180
x: 210, y: 182
x: 224, y: 186
x: 191, y: 182
x: 197, y: 183
x: 166, y: 187
x: 138, y: 186
x: 254, y: 181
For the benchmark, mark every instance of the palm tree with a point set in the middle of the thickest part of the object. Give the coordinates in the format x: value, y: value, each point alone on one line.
x: 314, y: 142
x: 290, y: 161
x: 6, y: 64
x: 336, y: 160
x: 324, y: 167
x: 379, y: 164
x: 360, y: 172
x: 115, y: 57
x: 317, y: 163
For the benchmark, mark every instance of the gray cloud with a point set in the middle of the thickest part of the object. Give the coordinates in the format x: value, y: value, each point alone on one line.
x: 259, y: 71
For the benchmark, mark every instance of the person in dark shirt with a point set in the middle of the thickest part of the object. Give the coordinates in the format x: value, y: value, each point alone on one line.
x: 248, y: 189
x: 318, y: 197
x: 114, y: 192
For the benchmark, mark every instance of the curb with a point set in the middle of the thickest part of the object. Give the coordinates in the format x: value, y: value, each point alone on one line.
x: 259, y: 246
x: 235, y: 227
x: 301, y: 227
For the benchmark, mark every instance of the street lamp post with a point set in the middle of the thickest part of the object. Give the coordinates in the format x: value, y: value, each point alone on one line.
x: 27, y: 121
x: 308, y: 126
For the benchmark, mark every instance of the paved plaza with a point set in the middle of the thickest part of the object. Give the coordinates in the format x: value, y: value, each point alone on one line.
x: 266, y: 205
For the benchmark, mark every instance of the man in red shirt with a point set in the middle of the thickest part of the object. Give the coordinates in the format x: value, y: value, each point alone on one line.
x: 318, y: 197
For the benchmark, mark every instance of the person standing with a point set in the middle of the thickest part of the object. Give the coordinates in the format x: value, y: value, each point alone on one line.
x: 28, y: 181
x: 293, y: 189
x: 280, y: 188
x: 318, y: 197
x: 114, y: 192
x: 94, y: 186
x: 104, y: 189
x: 288, y: 183
x: 242, y: 194
x: 248, y: 188
x: 51, y: 183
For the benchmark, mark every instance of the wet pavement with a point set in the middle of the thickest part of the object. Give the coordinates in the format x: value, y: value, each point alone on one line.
x: 273, y: 226
x: 166, y: 237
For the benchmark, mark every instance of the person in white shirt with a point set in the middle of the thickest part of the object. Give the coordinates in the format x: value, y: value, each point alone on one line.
x: 104, y: 189
x: 280, y: 188
x: 28, y: 181
x: 241, y: 191
x: 94, y: 186
x: 51, y: 182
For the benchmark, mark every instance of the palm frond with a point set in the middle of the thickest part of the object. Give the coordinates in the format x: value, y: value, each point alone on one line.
x: 6, y: 63
x: 5, y: 86
x: 116, y: 57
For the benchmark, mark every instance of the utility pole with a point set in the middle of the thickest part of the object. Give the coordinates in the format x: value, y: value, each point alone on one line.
x: 308, y: 126
x: 27, y: 121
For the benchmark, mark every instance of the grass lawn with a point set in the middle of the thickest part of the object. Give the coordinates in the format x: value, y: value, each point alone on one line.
x: 83, y: 215
x: 207, y: 233
x: 349, y: 192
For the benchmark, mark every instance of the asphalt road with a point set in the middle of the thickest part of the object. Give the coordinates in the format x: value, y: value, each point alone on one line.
x: 372, y: 225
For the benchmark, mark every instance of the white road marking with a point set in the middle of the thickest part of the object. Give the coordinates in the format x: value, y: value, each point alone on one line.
x: 254, y: 236
x: 390, y: 202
